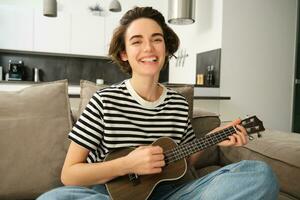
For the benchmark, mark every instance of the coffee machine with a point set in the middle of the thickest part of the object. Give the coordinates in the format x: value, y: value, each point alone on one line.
x: 16, y: 70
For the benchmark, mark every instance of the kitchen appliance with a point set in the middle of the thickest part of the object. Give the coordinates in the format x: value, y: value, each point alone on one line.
x: 36, y: 75
x: 1, y: 73
x: 16, y: 70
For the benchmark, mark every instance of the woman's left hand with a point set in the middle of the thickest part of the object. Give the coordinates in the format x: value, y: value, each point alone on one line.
x: 239, y: 138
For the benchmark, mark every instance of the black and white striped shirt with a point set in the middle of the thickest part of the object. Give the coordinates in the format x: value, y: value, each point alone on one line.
x: 118, y: 117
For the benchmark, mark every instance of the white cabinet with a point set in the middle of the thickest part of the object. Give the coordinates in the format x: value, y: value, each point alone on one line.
x: 111, y: 22
x: 78, y: 33
x: 87, y: 35
x: 52, y: 34
x: 16, y: 28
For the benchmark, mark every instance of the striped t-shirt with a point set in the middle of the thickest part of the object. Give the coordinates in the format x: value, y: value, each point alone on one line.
x: 118, y: 117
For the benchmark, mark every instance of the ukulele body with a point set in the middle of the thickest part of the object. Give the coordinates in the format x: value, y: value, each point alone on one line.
x: 140, y: 187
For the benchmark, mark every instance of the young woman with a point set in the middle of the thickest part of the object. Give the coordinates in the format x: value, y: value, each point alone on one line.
x: 140, y: 110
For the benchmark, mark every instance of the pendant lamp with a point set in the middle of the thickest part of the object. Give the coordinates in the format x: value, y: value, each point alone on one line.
x: 115, y: 6
x: 181, y: 12
x: 50, y: 8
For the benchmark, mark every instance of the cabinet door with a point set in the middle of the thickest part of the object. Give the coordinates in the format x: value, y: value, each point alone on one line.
x: 111, y: 22
x: 87, y: 35
x: 16, y: 28
x: 52, y: 34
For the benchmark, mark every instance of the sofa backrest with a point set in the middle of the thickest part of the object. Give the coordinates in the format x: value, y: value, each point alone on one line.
x: 34, y: 123
x: 88, y: 88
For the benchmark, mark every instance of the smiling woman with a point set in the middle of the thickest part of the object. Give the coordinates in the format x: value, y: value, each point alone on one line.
x: 134, y: 115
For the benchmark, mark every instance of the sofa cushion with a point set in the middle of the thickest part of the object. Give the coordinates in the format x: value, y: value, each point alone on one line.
x: 280, y: 150
x: 87, y: 89
x: 34, y: 124
x: 187, y: 91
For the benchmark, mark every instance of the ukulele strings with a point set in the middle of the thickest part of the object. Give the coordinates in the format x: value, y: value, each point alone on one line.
x: 184, y: 150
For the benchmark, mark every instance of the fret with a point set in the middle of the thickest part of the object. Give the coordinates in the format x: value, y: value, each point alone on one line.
x: 198, y: 144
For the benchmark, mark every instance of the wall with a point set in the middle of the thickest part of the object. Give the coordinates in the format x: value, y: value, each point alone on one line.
x: 63, y: 67
x: 203, y: 35
x: 258, y: 55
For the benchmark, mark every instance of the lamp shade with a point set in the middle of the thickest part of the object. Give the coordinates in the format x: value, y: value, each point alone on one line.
x: 181, y: 12
x: 115, y: 6
x: 50, y: 8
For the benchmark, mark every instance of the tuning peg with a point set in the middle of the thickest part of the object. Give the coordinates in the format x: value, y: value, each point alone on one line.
x: 259, y: 134
x: 251, y: 137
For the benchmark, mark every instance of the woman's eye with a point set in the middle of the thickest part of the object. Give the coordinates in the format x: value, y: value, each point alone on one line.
x: 157, y: 40
x: 136, y: 42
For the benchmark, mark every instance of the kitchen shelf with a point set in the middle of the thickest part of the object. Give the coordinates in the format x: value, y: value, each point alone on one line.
x: 212, y: 97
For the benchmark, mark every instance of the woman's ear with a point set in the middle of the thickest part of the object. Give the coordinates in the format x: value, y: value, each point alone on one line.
x: 123, y: 56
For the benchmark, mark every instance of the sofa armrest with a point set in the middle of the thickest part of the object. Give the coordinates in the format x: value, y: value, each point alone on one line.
x: 280, y: 150
x: 204, y: 122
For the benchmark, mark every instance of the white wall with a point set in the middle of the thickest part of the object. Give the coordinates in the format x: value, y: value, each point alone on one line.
x: 257, y: 65
x: 203, y: 35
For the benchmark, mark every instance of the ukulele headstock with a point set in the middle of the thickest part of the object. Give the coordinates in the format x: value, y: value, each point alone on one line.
x: 253, y: 125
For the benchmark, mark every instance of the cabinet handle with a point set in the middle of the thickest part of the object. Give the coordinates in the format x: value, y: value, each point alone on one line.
x: 297, y: 81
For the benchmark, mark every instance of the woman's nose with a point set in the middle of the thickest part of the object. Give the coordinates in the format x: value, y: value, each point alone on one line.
x: 148, y: 46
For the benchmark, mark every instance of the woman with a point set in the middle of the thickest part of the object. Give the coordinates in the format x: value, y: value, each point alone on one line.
x: 138, y: 111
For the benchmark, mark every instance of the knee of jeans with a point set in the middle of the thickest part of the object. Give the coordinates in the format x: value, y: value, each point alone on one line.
x: 267, y: 175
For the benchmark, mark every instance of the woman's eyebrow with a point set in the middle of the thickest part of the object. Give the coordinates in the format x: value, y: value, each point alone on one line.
x: 157, y: 34
x: 135, y: 36
x: 140, y: 36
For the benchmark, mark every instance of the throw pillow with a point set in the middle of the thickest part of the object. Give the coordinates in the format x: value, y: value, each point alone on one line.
x: 87, y: 90
x: 34, y: 124
x: 187, y: 91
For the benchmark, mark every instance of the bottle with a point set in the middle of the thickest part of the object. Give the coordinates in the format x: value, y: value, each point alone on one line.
x: 208, y: 76
x: 199, y: 79
x: 212, y: 75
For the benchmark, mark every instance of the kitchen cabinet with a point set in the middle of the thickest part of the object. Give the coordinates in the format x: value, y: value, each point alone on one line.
x: 87, y: 35
x: 111, y: 22
x: 16, y: 28
x: 52, y: 34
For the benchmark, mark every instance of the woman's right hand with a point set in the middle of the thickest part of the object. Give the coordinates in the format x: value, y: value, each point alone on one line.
x: 145, y: 160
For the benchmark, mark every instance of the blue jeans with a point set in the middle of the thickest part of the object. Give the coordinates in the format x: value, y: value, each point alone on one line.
x: 247, y: 180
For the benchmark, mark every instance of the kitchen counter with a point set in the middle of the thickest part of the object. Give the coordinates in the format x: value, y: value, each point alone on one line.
x: 212, y: 97
x: 73, y: 90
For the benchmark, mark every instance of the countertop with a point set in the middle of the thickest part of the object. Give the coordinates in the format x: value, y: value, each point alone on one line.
x: 74, y: 90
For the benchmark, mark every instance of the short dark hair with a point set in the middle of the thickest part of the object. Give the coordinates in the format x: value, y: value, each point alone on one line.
x: 117, y: 44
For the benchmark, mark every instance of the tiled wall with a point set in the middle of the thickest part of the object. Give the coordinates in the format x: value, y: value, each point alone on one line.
x: 67, y: 67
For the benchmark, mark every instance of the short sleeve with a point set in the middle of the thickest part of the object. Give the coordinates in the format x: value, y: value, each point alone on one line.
x: 189, y: 134
x: 88, y: 130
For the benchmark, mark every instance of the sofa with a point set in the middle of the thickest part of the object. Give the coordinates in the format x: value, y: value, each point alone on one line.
x: 35, y: 121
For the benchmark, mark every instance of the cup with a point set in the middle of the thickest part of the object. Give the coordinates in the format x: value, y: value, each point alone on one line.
x: 99, y: 81
x: 36, y: 75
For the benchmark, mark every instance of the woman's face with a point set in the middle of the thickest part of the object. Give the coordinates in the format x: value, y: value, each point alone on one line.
x: 144, y: 47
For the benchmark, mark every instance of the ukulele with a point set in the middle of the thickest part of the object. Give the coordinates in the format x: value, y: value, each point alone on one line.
x: 140, y: 187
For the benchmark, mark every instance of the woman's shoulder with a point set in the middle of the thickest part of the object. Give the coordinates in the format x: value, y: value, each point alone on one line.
x: 113, y: 90
x: 172, y: 93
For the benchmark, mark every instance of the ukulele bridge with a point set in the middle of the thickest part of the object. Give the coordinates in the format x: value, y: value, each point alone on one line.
x: 134, y: 179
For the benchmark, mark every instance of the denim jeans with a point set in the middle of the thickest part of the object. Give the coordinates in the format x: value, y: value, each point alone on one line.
x: 246, y: 180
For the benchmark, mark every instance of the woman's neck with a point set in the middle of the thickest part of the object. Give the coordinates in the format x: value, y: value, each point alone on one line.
x: 148, y: 89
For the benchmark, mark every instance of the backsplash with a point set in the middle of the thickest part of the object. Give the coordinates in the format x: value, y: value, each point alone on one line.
x: 67, y: 67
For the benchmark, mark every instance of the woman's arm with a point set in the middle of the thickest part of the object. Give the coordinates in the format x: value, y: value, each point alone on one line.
x: 143, y: 160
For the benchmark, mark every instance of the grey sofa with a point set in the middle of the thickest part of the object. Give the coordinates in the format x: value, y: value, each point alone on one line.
x: 281, y: 150
x: 33, y: 141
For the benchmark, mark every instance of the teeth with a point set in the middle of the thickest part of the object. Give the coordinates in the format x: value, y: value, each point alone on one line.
x: 149, y: 59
